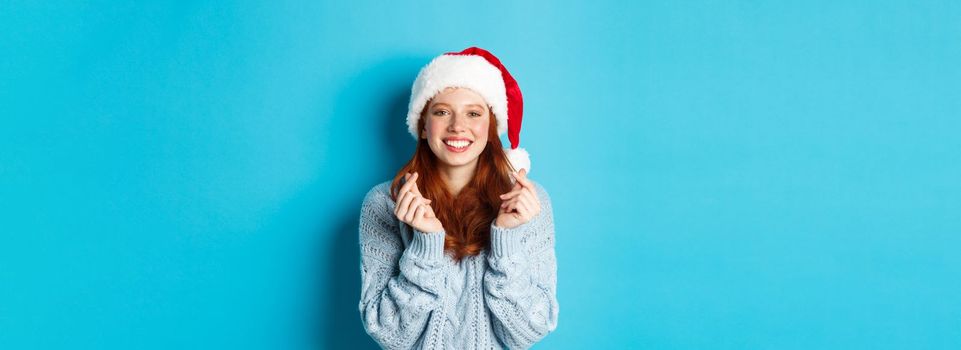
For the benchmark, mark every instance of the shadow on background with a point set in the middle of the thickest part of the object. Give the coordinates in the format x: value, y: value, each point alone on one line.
x: 383, y: 92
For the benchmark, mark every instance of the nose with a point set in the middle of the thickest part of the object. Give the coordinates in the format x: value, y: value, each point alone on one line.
x: 457, y: 123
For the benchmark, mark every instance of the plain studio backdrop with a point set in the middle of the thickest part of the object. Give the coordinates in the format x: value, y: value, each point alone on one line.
x: 725, y: 174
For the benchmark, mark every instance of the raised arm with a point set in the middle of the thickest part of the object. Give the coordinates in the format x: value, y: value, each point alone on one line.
x: 521, y: 280
x: 400, y: 288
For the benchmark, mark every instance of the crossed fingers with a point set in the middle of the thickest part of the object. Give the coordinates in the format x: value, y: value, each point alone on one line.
x: 410, y: 200
x: 522, y: 197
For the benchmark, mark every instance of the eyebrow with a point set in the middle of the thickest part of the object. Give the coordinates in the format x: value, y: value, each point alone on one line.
x: 468, y: 105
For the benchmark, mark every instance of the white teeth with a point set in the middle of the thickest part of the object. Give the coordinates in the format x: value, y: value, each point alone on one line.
x: 457, y: 144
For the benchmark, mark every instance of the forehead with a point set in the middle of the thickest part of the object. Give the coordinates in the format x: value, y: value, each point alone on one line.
x: 458, y: 96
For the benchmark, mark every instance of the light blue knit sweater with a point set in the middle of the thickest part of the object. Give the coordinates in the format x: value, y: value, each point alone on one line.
x: 414, y: 296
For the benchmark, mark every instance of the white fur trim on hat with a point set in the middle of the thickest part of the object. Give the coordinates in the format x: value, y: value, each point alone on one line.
x: 519, y: 158
x: 466, y: 71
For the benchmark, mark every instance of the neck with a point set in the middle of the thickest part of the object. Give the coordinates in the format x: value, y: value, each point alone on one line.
x: 458, y: 177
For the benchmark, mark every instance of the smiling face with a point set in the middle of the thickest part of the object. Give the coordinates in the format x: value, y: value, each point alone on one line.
x: 456, y: 126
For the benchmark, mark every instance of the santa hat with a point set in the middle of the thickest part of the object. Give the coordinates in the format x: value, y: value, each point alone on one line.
x: 478, y: 70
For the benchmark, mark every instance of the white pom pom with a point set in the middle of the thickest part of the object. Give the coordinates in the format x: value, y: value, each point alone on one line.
x: 519, y: 159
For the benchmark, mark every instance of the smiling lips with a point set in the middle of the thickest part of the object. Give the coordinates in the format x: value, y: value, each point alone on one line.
x: 457, y: 145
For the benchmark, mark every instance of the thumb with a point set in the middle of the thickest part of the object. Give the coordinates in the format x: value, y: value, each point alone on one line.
x: 515, y: 177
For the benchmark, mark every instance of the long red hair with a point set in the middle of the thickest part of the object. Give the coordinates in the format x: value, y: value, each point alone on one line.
x: 466, y: 218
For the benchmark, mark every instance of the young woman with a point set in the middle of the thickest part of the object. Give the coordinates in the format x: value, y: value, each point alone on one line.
x: 457, y: 251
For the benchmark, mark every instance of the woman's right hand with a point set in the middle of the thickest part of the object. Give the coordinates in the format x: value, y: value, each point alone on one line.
x: 413, y: 209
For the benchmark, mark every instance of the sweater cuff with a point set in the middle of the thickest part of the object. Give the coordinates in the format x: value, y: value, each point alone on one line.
x: 507, y: 241
x: 428, y: 246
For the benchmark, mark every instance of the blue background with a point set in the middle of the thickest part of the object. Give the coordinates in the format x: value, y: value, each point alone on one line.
x: 725, y: 175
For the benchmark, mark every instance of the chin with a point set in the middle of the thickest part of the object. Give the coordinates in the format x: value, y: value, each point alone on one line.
x: 459, y: 161
x: 456, y: 160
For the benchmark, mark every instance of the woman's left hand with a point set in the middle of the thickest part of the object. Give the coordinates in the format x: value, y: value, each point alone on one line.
x: 520, y: 204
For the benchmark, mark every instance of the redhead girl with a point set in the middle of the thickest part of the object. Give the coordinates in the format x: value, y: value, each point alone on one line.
x: 457, y: 250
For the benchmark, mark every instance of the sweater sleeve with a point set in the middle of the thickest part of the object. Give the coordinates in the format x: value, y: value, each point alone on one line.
x: 521, y: 280
x: 400, y: 288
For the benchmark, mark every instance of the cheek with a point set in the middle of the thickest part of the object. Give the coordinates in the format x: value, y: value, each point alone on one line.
x: 434, y: 129
x: 480, y: 129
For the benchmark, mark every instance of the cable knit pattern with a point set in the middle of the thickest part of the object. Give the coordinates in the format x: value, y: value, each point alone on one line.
x: 414, y: 296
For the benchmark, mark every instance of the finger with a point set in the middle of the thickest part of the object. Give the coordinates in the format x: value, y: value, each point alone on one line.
x: 514, y: 176
x: 514, y: 191
x: 400, y: 212
x: 400, y: 199
x: 404, y: 196
x: 530, y: 204
x: 510, y: 205
x: 530, y: 197
x: 507, y: 202
x: 523, y: 210
x: 413, y: 207
x: 416, y: 189
x: 419, y: 213
x: 511, y: 194
x: 429, y: 212
x: 405, y: 206
x: 523, y: 180
x: 411, y: 181
x: 514, y: 184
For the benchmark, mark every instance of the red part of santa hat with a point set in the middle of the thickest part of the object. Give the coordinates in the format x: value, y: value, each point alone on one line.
x: 479, y: 70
